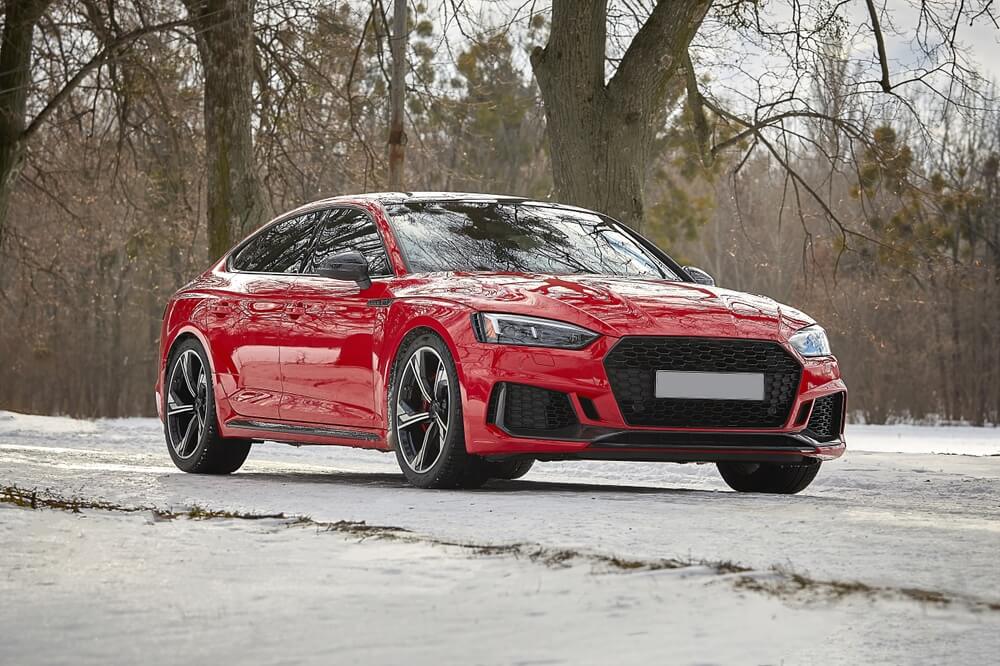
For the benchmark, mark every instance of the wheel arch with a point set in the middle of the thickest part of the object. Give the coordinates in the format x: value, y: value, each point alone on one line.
x: 188, y: 332
x: 405, y: 327
x: 184, y: 333
x: 411, y: 320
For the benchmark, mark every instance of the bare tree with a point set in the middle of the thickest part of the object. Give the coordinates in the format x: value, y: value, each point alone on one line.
x: 607, y: 69
x: 601, y: 133
x: 237, y: 202
x: 397, y: 94
x: 105, y: 219
x: 21, y: 18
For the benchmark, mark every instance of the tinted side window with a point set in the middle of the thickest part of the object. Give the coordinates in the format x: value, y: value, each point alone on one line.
x: 278, y: 249
x: 344, y: 229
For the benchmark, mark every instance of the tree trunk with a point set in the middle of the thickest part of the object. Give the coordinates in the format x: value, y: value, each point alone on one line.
x: 237, y: 203
x: 397, y: 95
x: 600, y: 134
x: 20, y: 18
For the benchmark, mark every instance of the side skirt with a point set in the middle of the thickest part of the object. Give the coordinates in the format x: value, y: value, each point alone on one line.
x: 299, y: 433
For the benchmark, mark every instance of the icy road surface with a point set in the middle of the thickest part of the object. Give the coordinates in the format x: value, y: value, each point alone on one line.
x: 917, y: 517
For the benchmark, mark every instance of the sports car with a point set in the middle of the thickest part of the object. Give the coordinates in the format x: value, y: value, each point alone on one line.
x: 474, y: 334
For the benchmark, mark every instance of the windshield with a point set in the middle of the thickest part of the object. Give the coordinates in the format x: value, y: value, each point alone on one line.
x: 520, y: 238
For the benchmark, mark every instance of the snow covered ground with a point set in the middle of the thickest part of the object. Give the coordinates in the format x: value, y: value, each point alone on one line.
x: 891, y: 556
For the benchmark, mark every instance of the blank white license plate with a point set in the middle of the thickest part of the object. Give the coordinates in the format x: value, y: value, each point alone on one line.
x: 710, y: 385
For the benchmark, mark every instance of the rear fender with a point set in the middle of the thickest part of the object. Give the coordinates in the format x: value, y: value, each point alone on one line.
x: 184, y: 321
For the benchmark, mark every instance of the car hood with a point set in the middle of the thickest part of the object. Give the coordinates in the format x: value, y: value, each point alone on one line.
x: 615, y: 306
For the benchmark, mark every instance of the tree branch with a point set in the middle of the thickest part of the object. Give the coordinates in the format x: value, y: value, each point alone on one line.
x: 696, y: 104
x: 111, y: 50
x: 883, y: 59
x: 752, y: 128
x: 657, y: 49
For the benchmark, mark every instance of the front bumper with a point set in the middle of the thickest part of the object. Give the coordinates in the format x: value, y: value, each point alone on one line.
x: 605, y: 435
x: 673, y: 446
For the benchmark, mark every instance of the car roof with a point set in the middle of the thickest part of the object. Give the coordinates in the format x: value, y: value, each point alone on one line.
x: 386, y: 198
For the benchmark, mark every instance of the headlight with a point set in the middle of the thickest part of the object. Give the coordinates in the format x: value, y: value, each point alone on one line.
x: 810, y: 341
x: 506, y: 329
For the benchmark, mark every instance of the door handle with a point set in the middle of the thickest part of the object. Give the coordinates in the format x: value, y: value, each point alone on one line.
x: 264, y: 307
x: 220, y: 308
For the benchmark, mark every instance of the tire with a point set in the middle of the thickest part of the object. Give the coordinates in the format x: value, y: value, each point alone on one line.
x: 416, y: 427
x: 511, y: 469
x: 768, y: 477
x: 194, y: 442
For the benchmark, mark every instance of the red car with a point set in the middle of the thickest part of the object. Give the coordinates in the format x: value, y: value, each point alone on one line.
x: 474, y: 334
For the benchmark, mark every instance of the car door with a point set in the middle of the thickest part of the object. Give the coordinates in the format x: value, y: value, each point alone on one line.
x: 248, y: 324
x: 327, y: 359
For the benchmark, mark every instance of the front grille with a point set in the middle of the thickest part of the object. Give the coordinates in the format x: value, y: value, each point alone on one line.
x: 529, y: 408
x: 632, y: 366
x: 824, y: 424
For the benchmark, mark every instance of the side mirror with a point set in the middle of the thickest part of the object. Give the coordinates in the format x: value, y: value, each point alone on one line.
x: 350, y: 265
x: 700, y: 276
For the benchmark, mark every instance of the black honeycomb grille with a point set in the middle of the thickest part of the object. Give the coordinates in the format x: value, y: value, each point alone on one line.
x: 825, y: 420
x: 632, y: 366
x: 529, y: 408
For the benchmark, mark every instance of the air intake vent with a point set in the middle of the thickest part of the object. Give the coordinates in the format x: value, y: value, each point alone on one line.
x: 529, y: 409
x: 827, y: 415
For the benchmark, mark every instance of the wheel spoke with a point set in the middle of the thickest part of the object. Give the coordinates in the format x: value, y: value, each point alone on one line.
x: 174, y: 402
x: 440, y: 379
x: 438, y: 442
x: 416, y: 367
x: 179, y: 409
x: 406, y: 417
x: 185, y: 364
x: 182, y: 446
x: 418, y: 460
x: 442, y: 427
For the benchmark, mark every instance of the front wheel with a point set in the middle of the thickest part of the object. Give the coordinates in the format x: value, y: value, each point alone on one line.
x: 768, y: 477
x: 509, y: 469
x: 425, y: 405
x: 190, y: 423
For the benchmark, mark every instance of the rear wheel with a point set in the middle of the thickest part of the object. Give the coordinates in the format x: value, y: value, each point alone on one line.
x: 768, y: 477
x: 426, y: 409
x: 190, y: 423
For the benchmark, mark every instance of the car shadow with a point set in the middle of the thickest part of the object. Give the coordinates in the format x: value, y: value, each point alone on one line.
x: 398, y: 482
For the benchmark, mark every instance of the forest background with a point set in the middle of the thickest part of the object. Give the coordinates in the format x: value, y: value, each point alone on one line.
x: 842, y: 157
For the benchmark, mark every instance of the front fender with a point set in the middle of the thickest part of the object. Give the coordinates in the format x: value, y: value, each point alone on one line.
x: 450, y: 321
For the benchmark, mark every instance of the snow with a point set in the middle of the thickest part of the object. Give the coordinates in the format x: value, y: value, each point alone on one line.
x: 278, y: 593
x: 957, y: 440
x: 12, y: 422
x: 104, y: 586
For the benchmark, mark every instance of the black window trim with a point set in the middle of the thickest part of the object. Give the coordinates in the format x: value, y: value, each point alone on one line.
x: 307, y: 255
x: 653, y: 249
x: 378, y: 233
x: 249, y: 239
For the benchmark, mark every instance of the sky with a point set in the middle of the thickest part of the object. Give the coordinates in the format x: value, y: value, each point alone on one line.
x: 980, y: 41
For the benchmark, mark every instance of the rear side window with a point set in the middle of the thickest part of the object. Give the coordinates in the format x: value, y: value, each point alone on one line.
x: 281, y: 248
x: 343, y: 229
